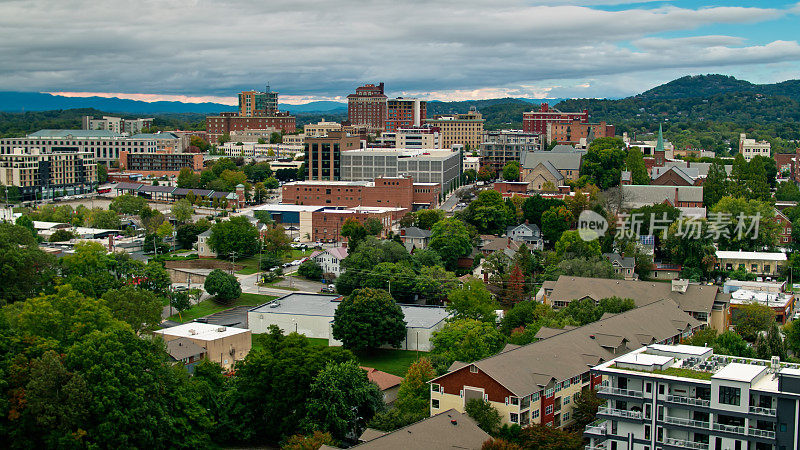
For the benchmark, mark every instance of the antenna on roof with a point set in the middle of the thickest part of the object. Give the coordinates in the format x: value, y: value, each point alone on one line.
x: 267, y: 86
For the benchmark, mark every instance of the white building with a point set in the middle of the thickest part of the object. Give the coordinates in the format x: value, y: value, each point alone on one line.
x: 256, y: 150
x: 117, y: 124
x: 203, y: 249
x: 425, y: 166
x: 330, y: 259
x: 104, y: 145
x: 750, y: 148
x: 312, y: 315
x: 681, y: 396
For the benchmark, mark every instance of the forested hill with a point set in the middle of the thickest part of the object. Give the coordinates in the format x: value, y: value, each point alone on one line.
x: 710, y: 85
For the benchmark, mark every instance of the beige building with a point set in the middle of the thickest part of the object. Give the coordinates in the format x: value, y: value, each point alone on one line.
x: 294, y: 139
x: 750, y: 148
x: 759, y: 263
x: 223, y: 345
x: 465, y: 129
x: 39, y: 174
x: 321, y: 128
x: 253, y: 135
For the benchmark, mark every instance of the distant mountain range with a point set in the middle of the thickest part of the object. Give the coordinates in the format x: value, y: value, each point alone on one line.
x: 35, y: 101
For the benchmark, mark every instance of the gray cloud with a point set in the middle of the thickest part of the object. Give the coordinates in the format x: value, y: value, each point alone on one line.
x: 323, y: 48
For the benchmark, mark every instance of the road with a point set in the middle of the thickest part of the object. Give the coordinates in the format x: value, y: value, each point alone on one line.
x: 449, y: 204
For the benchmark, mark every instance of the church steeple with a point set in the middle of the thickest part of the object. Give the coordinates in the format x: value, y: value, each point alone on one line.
x: 660, y: 142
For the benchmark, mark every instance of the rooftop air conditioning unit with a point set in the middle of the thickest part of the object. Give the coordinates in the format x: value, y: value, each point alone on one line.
x: 221, y: 329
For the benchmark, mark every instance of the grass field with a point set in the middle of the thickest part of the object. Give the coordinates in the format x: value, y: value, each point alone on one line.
x: 392, y: 361
x: 209, y: 306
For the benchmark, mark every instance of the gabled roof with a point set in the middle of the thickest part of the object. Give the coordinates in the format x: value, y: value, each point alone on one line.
x: 689, y: 175
x: 182, y: 348
x: 636, y: 196
x: 447, y: 430
x: 566, y: 160
x: 337, y: 252
x: 532, y: 228
x: 414, y: 232
x: 501, y: 243
x: 382, y: 379
x: 626, y: 262
x: 697, y: 298
x: 525, y: 370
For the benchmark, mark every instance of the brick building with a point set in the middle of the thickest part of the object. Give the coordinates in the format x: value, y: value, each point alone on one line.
x: 368, y: 106
x: 160, y: 163
x: 537, y: 121
x: 465, y: 129
x: 256, y: 103
x: 577, y: 131
x: 326, y: 224
x: 404, y: 113
x: 227, y: 122
x: 323, y: 154
x: 400, y: 192
x: 784, y: 229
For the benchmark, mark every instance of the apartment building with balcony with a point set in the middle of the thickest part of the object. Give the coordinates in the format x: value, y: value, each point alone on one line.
x: 680, y: 396
x: 499, y: 148
x: 538, y: 382
x: 43, y: 175
x: 103, y: 144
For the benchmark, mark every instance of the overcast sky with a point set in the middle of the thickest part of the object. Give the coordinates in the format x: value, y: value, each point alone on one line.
x: 438, y: 49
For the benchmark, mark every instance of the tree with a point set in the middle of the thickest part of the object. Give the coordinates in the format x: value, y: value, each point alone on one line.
x: 224, y: 138
x: 155, y: 278
x: 275, y: 241
x: 715, y: 185
x: 571, y: 245
x: 260, y: 192
x: 101, y: 218
x: 102, y: 173
x: 486, y: 416
x: 188, y: 179
x: 750, y: 319
x: 466, y: 340
x: 740, y: 175
x: 488, y: 213
x: 758, y: 186
x: 311, y: 441
x: 182, y: 210
x: 310, y: 269
x: 472, y: 301
x: 180, y: 300
x: 450, y: 239
x: 555, y: 221
x: 634, y: 163
x: 138, y: 308
x: 787, y: 191
x: 222, y: 285
x: 603, y: 162
x: 275, y: 138
x: 26, y: 269
x: 235, y: 235
x: 373, y: 226
x: 534, y: 206
x: 486, y: 173
x: 271, y: 183
x: 128, y: 204
x: 354, y: 231
x: 733, y: 218
x: 584, y: 408
x: 511, y: 171
x: 515, y: 288
x: 427, y: 218
x: 164, y: 230
x: 186, y: 234
x: 771, y: 344
x: 369, y: 318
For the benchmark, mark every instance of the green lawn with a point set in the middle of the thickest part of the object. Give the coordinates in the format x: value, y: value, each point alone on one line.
x: 296, y: 254
x: 209, y: 306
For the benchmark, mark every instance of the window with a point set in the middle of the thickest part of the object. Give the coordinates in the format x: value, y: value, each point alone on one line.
x: 548, y: 393
x: 434, y: 387
x: 435, y: 404
x: 729, y: 395
x: 515, y: 400
x: 535, y: 414
x: 566, y: 416
x: 473, y: 369
x: 566, y: 400
x: 549, y: 409
x: 648, y: 387
x: 660, y: 389
x: 647, y: 431
x: 514, y: 417
x: 783, y: 428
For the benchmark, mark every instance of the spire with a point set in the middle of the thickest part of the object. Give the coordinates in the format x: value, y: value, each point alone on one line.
x: 660, y: 142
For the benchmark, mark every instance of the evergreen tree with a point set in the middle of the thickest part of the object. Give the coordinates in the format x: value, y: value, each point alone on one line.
x: 716, y: 184
x: 634, y: 162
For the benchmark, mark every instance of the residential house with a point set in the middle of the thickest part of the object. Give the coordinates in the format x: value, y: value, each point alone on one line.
x: 415, y: 238
x: 389, y: 384
x: 312, y: 315
x: 448, y: 429
x: 623, y: 265
x: 222, y: 345
x: 528, y: 233
x: 759, y: 263
x: 784, y: 229
x: 539, y: 382
x: 203, y: 249
x: 330, y: 259
x: 557, y: 166
x: 496, y: 244
x: 185, y: 351
x: 705, y: 303
x: 665, y: 271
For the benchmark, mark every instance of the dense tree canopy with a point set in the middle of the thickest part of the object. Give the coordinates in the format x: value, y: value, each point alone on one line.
x: 235, y: 236
x: 369, y: 318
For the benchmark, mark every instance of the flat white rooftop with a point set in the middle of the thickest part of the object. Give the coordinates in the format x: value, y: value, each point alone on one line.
x: 643, y: 359
x: 739, y: 372
x: 681, y: 348
x: 762, y: 256
x: 201, y: 331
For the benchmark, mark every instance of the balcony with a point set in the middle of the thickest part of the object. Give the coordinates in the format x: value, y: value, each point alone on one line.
x: 620, y: 392
x: 762, y: 411
x: 619, y: 413
x: 767, y: 434
x: 687, y: 422
x: 596, y: 428
x: 686, y: 444
x: 730, y: 429
x: 688, y: 401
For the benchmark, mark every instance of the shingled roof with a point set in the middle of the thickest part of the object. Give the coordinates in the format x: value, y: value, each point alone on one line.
x: 696, y: 297
x: 530, y: 368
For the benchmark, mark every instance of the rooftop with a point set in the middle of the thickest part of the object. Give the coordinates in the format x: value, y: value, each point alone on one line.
x: 416, y: 316
x: 762, y: 256
x: 77, y: 134
x: 201, y: 331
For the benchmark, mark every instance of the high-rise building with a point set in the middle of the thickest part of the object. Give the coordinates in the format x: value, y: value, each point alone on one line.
x: 536, y: 121
x: 256, y: 103
x: 368, y: 106
x: 682, y: 396
x: 499, y: 148
x: 116, y: 124
x: 465, y: 129
x: 324, y: 153
x: 405, y: 113
x: 104, y: 145
x: 41, y: 174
